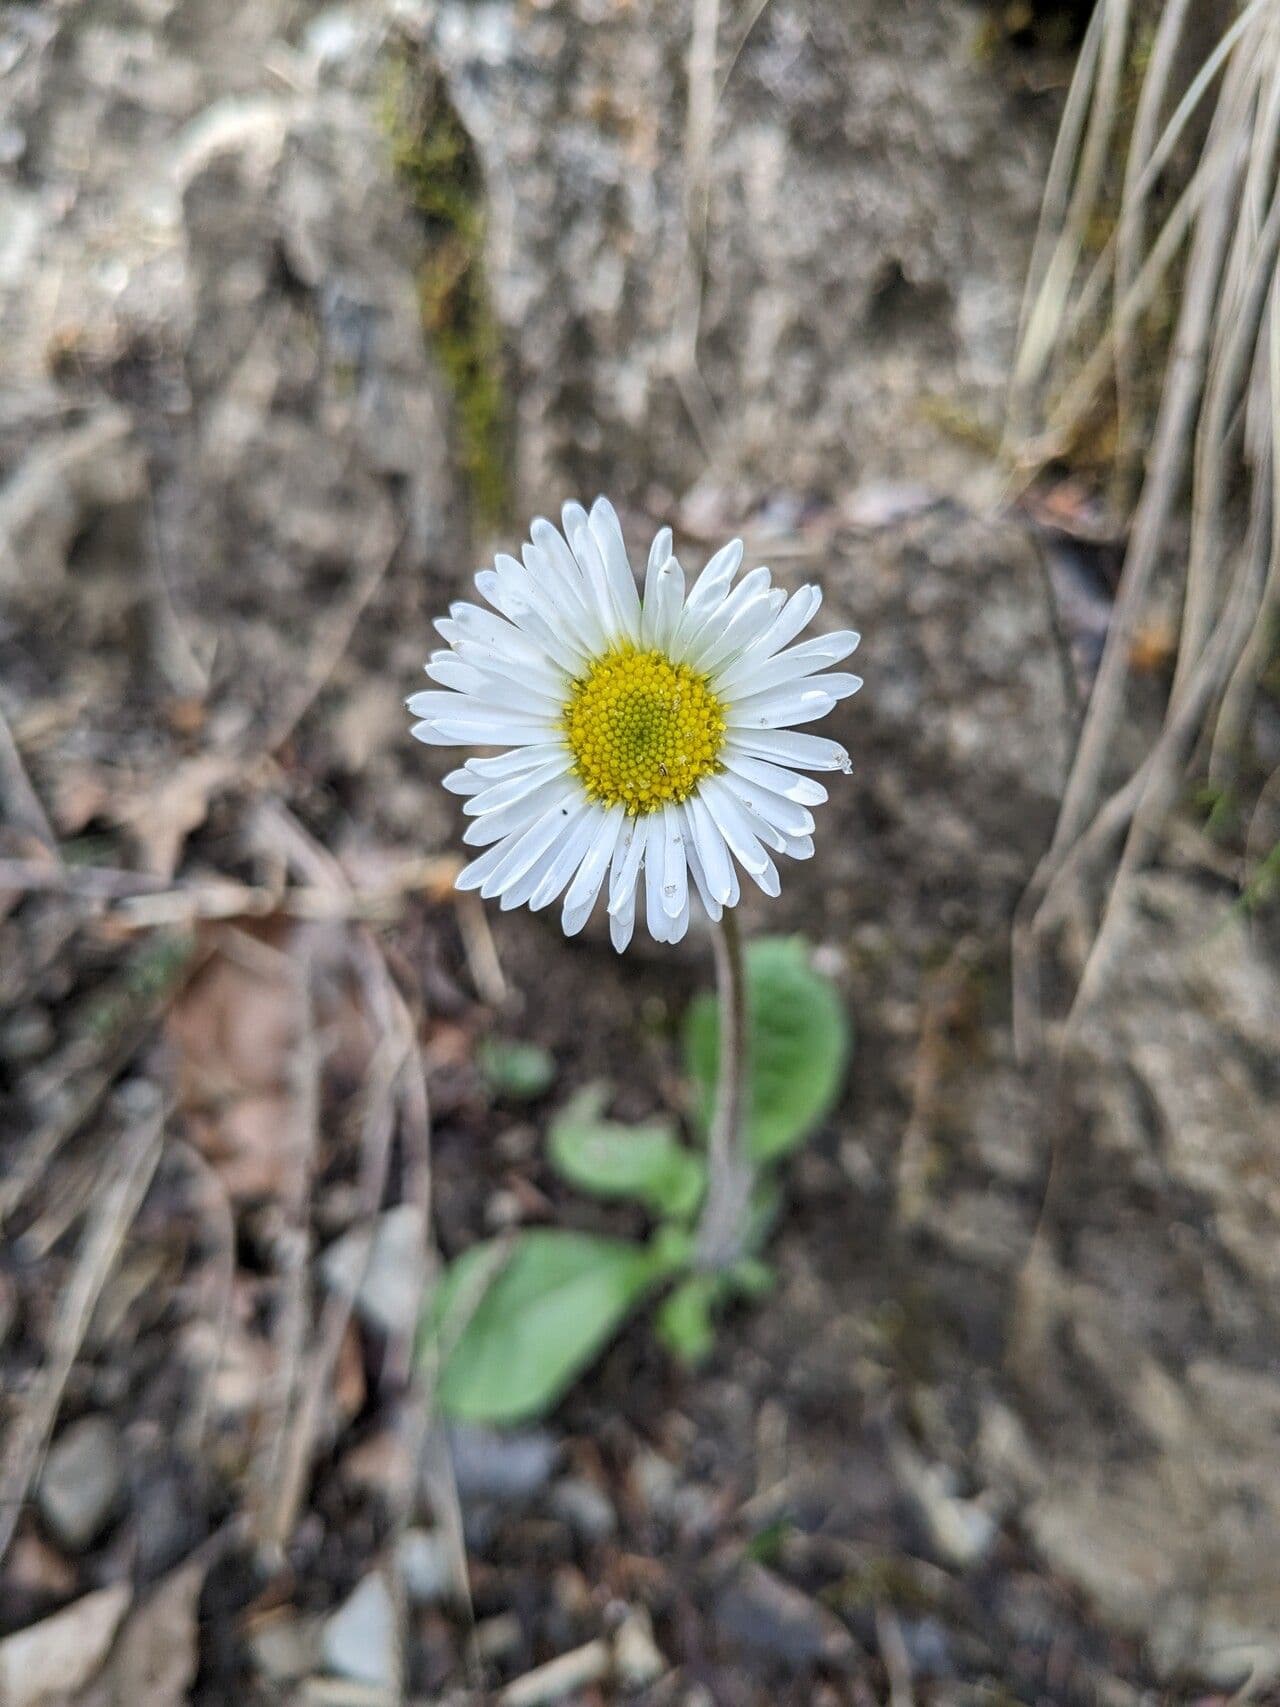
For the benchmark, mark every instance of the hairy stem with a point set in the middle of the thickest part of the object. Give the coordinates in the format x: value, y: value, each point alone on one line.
x: 723, y: 1228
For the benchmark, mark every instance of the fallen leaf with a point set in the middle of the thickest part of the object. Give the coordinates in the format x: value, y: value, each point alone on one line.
x: 233, y: 1031
x: 162, y: 816
x: 49, y: 1661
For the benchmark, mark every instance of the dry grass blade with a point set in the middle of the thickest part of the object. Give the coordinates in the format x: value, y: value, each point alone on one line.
x: 127, y: 1178
x: 1215, y: 414
x: 293, y: 1262
x: 23, y: 805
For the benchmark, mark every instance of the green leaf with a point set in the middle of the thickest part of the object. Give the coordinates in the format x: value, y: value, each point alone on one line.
x: 750, y: 1278
x: 684, y: 1321
x: 799, y: 1044
x: 610, y: 1160
x: 512, y: 1334
x: 520, y: 1071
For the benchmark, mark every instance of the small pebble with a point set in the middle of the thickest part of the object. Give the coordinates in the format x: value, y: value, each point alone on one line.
x: 359, y: 1640
x: 424, y: 1560
x: 586, y: 1509
x: 80, y: 1489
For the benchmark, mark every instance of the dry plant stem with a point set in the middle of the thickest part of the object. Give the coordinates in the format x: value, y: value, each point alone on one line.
x: 123, y: 1189
x: 1177, y: 411
x: 722, y: 1230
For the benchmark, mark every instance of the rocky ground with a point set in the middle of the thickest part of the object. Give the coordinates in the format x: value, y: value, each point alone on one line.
x: 304, y: 311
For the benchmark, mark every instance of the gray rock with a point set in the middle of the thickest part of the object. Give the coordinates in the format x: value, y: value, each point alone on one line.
x: 501, y: 1466
x: 360, y: 1640
x: 637, y: 1659
x: 586, y: 1508
x: 758, y: 1613
x: 426, y: 1566
x: 383, y: 1271
x: 962, y: 1531
x: 80, y: 1489
x: 284, y: 1648
x: 905, y: 281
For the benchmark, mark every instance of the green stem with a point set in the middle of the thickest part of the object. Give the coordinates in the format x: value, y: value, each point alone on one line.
x: 723, y: 1227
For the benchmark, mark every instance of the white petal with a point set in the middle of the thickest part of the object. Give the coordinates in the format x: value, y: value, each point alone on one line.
x: 581, y: 895
x: 656, y: 916
x: 493, y: 689
x: 749, y: 675
x: 677, y: 928
x: 514, y: 788
x: 712, y: 850
x: 567, y: 595
x: 495, y: 765
x: 712, y: 586
x: 711, y: 906
x: 769, y: 881
x: 627, y: 863
x: 784, y: 815
x: 573, y: 850
x: 794, y: 617
x: 774, y: 777
x: 735, y: 826
x: 675, y: 866
x: 741, y: 618
x: 622, y: 923
x: 463, y: 781
x: 606, y: 530
x: 493, y: 826
x: 778, y: 707
x: 488, y: 732
x: 787, y: 747
x: 662, y: 610
x: 519, y: 890
x: 659, y: 551
x: 505, y: 861
x: 529, y: 667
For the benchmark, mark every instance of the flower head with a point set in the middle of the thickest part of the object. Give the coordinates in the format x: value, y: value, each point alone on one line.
x: 650, y: 741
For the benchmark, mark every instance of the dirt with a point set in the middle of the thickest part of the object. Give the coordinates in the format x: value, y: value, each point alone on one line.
x: 1003, y: 1430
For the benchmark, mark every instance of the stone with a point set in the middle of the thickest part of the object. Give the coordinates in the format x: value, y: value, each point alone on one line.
x: 637, y: 1659
x: 503, y: 1466
x: 284, y: 1647
x: 908, y: 282
x: 962, y: 1531
x: 383, y: 1271
x: 426, y: 1566
x: 360, y: 1641
x: 759, y: 1613
x: 585, y: 1507
x: 82, y: 1482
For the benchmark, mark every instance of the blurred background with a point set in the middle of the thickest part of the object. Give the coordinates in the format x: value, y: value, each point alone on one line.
x: 305, y: 309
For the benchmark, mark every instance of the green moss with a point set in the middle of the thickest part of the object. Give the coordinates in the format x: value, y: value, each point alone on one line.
x: 434, y: 159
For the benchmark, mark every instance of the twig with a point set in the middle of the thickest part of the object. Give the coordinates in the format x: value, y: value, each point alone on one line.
x: 23, y: 803
x: 481, y: 950
x: 222, y: 1216
x: 92, y: 1077
x: 893, y: 1651
x: 699, y: 128
x: 304, y: 1427
x: 329, y: 650
x: 141, y: 901
x: 113, y: 1215
x: 294, y: 1248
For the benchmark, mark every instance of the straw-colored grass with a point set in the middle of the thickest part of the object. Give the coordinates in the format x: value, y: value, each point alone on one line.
x: 1182, y: 168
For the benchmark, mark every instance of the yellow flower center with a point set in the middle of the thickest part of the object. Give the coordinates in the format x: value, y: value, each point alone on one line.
x: 642, y: 730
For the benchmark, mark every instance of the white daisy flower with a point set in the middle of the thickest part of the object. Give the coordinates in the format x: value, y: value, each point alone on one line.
x: 650, y: 747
